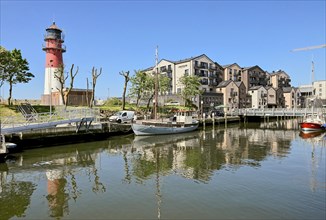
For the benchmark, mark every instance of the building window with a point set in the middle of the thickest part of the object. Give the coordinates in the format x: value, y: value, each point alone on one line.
x: 187, y: 72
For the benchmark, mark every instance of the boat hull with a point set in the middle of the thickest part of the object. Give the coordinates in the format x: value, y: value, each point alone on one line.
x: 311, y: 126
x: 143, y: 130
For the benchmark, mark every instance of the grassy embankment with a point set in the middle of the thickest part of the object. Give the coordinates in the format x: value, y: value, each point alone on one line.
x: 111, y: 106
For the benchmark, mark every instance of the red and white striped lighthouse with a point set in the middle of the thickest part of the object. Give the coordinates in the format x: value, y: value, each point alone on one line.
x: 53, y: 48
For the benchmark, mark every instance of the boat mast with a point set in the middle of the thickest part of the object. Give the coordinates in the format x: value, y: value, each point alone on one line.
x: 156, y: 84
x: 312, y: 71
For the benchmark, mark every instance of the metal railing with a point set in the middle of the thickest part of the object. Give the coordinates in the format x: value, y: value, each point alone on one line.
x: 19, y: 123
x: 277, y: 112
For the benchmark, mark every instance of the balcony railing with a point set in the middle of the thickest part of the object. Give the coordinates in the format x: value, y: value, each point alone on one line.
x: 57, y: 46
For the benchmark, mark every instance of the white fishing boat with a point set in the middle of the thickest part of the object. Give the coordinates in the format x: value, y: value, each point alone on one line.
x: 316, y: 120
x: 181, y: 123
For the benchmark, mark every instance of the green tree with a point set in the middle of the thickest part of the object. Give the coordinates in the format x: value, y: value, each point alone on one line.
x: 163, y: 86
x: 3, y: 55
x: 138, y: 82
x: 143, y: 85
x: 14, y: 69
x: 190, y: 89
x: 149, y: 87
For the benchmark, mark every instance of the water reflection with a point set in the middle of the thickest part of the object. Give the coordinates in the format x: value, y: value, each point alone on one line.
x: 14, y: 194
x: 57, y: 196
x: 74, y: 171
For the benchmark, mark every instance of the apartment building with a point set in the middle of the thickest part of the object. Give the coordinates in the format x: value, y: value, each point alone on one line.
x: 280, y: 100
x: 271, y: 97
x: 209, y: 72
x: 292, y: 97
x: 243, y: 97
x: 319, y: 88
x: 258, y: 96
x: 238, y: 87
x: 306, y: 92
x: 254, y: 76
x: 230, y: 90
x: 232, y: 72
x: 316, y: 90
x: 279, y: 79
x: 210, y: 100
x: 275, y: 98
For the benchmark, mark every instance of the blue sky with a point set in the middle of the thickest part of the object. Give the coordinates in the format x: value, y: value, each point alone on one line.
x: 122, y: 36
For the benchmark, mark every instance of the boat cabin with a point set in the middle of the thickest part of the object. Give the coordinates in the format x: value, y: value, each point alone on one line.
x: 184, y: 117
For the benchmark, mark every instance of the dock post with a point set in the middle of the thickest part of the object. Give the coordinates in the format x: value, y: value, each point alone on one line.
x: 204, y: 117
x: 225, y: 120
x: 213, y: 118
x: 3, y: 148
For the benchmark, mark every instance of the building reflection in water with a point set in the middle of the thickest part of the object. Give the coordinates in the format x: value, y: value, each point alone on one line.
x: 196, y: 156
x: 57, y: 197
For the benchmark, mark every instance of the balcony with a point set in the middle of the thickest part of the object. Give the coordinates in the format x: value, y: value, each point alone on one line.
x: 213, y: 84
x: 212, y: 75
x: 55, y: 46
x: 204, y: 82
x: 201, y: 66
x: 212, y: 67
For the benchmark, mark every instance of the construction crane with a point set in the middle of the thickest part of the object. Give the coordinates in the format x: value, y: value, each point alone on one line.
x: 312, y: 62
x: 309, y: 48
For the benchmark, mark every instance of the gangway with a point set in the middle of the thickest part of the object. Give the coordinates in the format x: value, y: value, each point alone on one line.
x: 27, y: 110
x: 17, y: 124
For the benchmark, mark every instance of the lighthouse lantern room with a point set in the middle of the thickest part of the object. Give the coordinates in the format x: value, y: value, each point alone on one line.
x: 53, y: 48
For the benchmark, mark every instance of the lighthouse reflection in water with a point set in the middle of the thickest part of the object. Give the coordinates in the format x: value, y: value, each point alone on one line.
x: 254, y: 171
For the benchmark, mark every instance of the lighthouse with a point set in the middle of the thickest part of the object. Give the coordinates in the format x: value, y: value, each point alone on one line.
x: 53, y: 48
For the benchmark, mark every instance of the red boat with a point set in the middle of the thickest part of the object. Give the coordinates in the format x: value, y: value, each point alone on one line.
x: 312, y: 124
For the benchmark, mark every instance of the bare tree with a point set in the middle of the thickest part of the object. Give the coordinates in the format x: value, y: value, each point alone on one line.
x: 95, y: 75
x: 127, y: 78
x: 64, y: 92
x: 87, y: 99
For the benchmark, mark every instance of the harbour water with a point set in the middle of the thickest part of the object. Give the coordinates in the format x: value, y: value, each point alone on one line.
x: 253, y: 171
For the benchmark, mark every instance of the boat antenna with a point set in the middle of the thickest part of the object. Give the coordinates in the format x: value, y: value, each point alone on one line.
x: 156, y: 84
